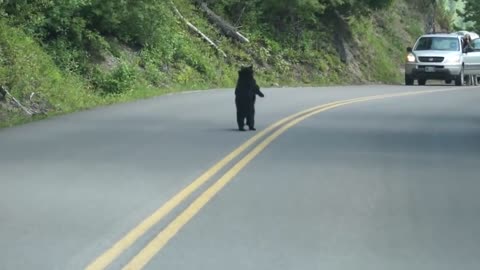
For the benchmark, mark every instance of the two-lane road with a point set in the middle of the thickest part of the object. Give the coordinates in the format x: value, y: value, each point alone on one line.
x: 391, y: 183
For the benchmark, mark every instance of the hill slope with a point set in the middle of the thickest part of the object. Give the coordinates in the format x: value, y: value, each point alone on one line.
x: 62, y: 56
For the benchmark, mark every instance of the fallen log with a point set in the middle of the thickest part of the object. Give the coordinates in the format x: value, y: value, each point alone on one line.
x: 224, y: 26
x: 7, y: 93
x: 195, y: 29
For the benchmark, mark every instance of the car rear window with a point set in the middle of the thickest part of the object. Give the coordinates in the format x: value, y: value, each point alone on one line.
x: 438, y: 43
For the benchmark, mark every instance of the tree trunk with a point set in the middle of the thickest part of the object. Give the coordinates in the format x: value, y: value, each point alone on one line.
x: 3, y: 92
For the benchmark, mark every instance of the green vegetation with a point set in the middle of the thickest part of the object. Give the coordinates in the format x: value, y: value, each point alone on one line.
x: 77, y: 54
x: 25, y: 68
x: 471, y: 14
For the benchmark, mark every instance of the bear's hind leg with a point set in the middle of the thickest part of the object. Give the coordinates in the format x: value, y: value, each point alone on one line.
x: 251, y: 118
x: 240, y: 120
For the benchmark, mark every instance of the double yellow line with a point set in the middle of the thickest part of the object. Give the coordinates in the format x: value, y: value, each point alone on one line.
x: 162, y: 238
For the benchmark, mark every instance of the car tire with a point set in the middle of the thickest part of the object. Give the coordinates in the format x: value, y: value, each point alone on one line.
x: 422, y: 81
x: 460, y: 79
x: 448, y: 81
x: 408, y: 80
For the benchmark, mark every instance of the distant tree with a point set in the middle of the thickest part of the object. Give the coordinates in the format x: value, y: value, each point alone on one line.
x: 471, y: 13
x: 80, y: 21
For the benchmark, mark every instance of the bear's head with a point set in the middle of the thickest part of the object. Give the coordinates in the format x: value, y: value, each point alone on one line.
x: 246, y: 71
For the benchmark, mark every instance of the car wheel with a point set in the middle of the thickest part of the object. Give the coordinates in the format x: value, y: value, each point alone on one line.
x: 460, y: 80
x: 408, y: 80
x: 422, y: 81
x: 448, y: 81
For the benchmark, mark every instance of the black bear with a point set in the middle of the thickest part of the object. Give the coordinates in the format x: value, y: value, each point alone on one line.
x: 245, y: 95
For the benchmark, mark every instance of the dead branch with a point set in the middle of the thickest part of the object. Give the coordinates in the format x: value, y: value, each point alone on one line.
x: 195, y: 29
x: 5, y: 90
x: 225, y: 27
x: 240, y: 18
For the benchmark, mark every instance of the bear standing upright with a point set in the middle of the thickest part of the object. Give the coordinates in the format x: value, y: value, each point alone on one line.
x: 245, y: 96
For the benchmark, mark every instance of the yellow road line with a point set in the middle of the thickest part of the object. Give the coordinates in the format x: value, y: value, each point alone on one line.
x: 154, y: 246
x: 105, y: 259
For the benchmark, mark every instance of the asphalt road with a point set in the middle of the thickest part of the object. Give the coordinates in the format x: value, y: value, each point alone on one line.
x: 380, y: 184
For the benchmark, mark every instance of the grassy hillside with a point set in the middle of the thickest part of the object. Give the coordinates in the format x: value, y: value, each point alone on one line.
x: 26, y: 68
x: 75, y: 55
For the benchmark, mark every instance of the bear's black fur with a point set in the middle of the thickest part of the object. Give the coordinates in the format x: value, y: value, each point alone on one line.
x: 245, y: 96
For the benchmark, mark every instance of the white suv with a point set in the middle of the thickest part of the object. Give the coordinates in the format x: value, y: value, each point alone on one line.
x: 435, y: 57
